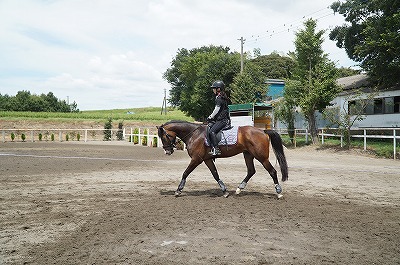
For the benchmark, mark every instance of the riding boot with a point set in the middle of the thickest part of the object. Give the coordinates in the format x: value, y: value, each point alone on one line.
x: 214, y: 143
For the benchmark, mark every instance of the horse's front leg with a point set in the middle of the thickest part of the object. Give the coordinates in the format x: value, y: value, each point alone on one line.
x: 210, y: 164
x: 192, y: 165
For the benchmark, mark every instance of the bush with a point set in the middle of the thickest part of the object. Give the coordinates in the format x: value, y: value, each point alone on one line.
x: 23, y: 137
x: 40, y: 136
x: 155, y: 140
x: 144, y: 139
x: 107, y: 130
x: 135, y: 137
x: 120, y: 132
x: 12, y: 137
x: 52, y: 137
x: 66, y: 137
x: 78, y: 137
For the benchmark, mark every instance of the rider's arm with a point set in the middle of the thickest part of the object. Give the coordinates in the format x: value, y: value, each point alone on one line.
x: 215, y: 112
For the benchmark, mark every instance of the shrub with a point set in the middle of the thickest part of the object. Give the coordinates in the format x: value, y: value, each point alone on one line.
x: 23, y: 137
x: 78, y: 137
x: 66, y: 137
x: 120, y: 132
x: 179, y: 144
x: 135, y: 137
x: 155, y: 140
x: 12, y: 136
x: 107, y: 130
x: 40, y: 136
x: 144, y: 139
x: 52, y: 137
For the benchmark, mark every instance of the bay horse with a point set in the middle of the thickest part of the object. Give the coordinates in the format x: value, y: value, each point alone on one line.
x: 251, y: 141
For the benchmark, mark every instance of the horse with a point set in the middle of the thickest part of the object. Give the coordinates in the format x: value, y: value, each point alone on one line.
x: 251, y: 141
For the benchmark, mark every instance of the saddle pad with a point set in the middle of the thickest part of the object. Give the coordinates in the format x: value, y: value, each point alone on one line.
x: 228, y: 137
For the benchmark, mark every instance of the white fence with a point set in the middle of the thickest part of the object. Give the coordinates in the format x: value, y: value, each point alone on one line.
x: 143, y: 136
x: 149, y: 137
x: 323, y: 133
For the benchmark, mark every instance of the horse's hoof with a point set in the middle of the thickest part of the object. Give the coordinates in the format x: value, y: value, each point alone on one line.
x: 226, y: 194
x: 238, y: 191
x: 279, y: 196
x: 178, y: 193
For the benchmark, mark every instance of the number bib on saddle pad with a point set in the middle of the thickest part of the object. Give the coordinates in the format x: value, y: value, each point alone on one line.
x: 227, y: 137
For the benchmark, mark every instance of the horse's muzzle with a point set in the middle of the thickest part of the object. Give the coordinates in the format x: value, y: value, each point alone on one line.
x: 169, y: 152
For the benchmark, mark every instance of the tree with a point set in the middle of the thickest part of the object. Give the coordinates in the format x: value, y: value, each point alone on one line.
x: 191, y: 74
x: 275, y: 66
x: 249, y: 86
x: 371, y: 37
x: 314, y: 76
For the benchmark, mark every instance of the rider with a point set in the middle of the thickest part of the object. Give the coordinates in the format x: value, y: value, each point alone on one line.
x: 219, y: 118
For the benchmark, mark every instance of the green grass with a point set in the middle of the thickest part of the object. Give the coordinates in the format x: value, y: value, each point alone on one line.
x: 151, y: 114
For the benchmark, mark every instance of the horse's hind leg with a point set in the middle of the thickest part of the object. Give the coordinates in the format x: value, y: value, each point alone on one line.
x: 249, y: 159
x: 271, y: 170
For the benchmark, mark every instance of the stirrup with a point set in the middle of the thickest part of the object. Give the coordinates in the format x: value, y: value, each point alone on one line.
x: 215, y: 151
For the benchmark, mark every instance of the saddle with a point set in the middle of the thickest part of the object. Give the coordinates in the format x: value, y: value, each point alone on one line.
x: 227, y: 136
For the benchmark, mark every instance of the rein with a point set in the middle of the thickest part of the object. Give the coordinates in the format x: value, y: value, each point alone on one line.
x: 187, y: 135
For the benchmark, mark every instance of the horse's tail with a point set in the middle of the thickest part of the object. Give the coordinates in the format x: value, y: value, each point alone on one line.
x: 277, y: 146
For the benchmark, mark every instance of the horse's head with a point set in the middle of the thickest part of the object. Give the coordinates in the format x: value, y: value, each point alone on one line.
x: 168, y: 139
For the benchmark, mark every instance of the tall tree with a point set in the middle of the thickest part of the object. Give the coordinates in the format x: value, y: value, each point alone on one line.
x: 275, y: 66
x: 314, y: 77
x: 371, y: 37
x: 249, y: 86
x: 191, y: 74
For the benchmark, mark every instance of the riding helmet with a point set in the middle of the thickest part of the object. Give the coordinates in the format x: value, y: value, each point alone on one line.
x: 218, y: 84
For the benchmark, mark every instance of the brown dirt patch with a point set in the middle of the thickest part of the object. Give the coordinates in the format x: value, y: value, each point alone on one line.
x: 113, y: 203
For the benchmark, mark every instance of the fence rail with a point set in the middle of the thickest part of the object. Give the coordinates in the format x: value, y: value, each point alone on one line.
x: 144, y: 135
x: 148, y: 137
x: 325, y: 132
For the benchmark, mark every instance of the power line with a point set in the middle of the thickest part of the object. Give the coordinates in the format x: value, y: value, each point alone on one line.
x: 288, y: 26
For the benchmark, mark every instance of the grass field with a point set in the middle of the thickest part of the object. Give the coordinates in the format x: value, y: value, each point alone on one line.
x: 151, y: 114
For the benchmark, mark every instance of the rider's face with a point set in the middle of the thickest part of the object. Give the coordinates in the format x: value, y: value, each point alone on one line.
x: 215, y: 90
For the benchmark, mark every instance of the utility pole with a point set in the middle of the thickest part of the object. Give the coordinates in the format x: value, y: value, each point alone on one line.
x: 241, y: 54
x: 164, y: 104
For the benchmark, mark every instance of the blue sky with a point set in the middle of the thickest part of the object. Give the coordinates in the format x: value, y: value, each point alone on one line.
x: 107, y: 54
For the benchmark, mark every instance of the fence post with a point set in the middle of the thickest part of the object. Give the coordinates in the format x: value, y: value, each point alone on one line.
x: 394, y: 144
x: 365, y: 140
x: 86, y: 135
x: 32, y: 140
x: 322, y: 136
x: 4, y: 136
x: 341, y: 140
x: 295, y: 136
x: 148, y: 138
x: 60, y: 136
x: 306, y: 136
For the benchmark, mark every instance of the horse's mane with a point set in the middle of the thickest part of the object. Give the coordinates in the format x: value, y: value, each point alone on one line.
x: 181, y: 122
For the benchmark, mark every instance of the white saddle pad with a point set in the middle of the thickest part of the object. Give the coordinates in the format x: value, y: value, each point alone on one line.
x: 228, y: 137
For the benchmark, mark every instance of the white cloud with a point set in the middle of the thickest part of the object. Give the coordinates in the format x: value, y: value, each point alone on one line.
x: 111, y: 54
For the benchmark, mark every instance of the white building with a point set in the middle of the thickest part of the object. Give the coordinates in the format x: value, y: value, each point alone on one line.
x: 379, y: 108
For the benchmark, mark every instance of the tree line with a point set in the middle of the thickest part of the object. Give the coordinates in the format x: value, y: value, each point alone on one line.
x: 25, y: 101
x: 371, y: 38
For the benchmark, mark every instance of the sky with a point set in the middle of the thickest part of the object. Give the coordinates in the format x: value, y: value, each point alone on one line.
x: 111, y: 54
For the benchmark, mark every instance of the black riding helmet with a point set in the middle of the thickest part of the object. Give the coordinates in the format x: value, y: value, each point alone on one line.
x: 218, y: 84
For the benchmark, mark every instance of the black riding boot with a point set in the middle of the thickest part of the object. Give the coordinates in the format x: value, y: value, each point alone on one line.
x: 214, y: 143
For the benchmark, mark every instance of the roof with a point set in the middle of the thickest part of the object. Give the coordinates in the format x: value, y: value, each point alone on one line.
x: 354, y: 81
x: 250, y: 106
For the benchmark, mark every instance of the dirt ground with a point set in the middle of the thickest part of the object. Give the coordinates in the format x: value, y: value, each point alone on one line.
x: 113, y: 203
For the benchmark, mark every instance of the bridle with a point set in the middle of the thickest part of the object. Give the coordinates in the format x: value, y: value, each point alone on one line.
x: 171, y: 140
